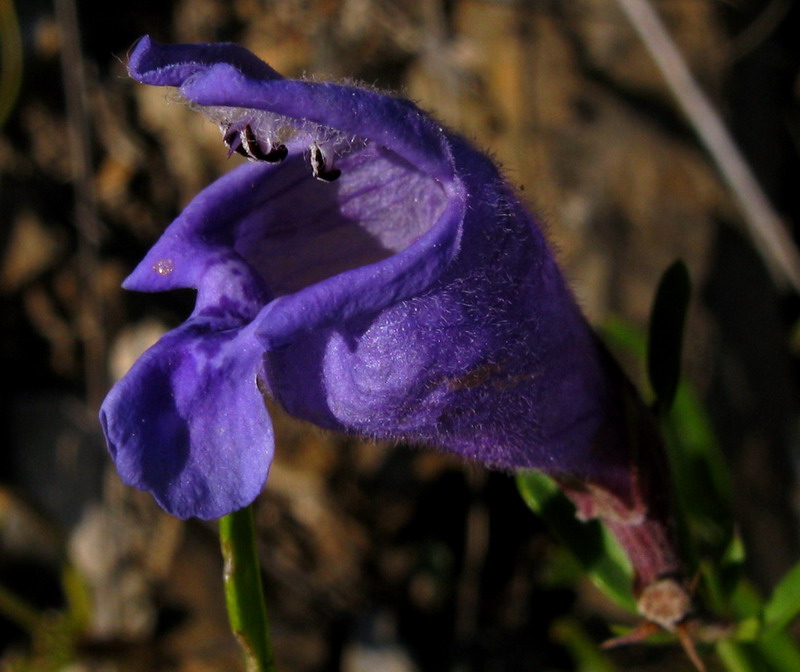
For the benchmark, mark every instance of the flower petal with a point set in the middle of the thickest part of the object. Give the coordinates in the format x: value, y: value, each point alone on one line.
x: 204, y: 230
x: 253, y: 232
x: 188, y: 422
x: 172, y: 64
x: 222, y: 76
x: 367, y: 289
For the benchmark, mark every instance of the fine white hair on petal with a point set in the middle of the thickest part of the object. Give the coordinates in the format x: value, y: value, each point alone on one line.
x: 274, y: 129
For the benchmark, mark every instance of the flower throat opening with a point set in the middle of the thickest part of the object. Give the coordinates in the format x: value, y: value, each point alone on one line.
x: 332, y: 203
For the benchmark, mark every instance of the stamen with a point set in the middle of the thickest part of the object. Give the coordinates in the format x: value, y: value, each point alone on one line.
x: 245, y: 142
x: 250, y: 143
x: 276, y: 154
x: 318, y: 167
x: 231, y: 139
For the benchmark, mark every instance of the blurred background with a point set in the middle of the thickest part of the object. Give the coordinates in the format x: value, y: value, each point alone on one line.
x: 376, y: 557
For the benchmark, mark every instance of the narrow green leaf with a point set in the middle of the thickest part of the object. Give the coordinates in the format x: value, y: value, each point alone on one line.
x: 665, y: 341
x: 79, y: 601
x: 736, y: 657
x: 592, y: 545
x: 780, y: 652
x: 777, y: 653
x: 622, y: 336
x: 747, y: 630
x: 18, y: 611
x: 784, y: 604
x: 244, y: 594
x: 701, y: 478
x: 582, y: 648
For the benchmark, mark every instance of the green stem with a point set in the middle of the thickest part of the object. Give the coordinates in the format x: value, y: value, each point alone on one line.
x: 244, y: 595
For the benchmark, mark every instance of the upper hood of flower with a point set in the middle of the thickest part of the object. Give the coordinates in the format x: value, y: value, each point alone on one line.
x: 227, y: 75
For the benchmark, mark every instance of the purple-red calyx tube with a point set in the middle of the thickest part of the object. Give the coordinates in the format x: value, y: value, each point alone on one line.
x: 375, y: 274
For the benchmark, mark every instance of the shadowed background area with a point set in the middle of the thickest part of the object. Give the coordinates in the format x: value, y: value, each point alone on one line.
x: 375, y: 557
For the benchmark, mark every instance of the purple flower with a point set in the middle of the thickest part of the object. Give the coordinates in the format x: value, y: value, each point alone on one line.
x: 373, y: 273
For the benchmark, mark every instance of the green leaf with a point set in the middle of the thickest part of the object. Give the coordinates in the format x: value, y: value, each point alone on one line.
x: 780, y: 652
x: 784, y: 604
x: 593, y: 546
x: 244, y: 594
x: 624, y: 337
x: 665, y: 341
x: 78, y: 598
x: 582, y: 648
x: 701, y: 477
x: 18, y: 611
x: 737, y: 657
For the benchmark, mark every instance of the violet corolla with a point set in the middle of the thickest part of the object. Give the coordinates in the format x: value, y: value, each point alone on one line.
x: 375, y: 274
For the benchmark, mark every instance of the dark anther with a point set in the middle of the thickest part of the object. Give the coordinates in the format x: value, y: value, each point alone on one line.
x: 276, y: 154
x: 250, y: 144
x: 318, y: 167
x: 246, y: 143
x: 233, y: 143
